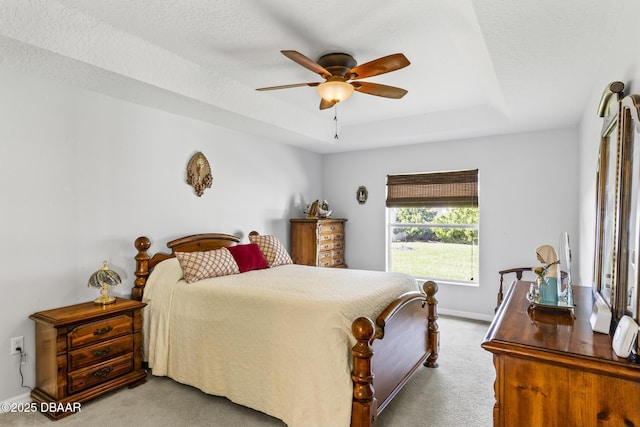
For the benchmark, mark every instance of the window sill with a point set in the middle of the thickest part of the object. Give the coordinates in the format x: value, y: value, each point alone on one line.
x: 421, y: 281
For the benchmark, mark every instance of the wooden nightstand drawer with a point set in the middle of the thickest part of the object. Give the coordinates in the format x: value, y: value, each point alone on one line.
x: 99, y: 331
x: 99, y: 352
x: 84, y: 378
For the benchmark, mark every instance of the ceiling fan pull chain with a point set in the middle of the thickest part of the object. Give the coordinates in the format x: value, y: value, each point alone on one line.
x: 335, y: 119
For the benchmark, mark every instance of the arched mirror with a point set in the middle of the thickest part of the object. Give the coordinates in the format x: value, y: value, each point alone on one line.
x: 629, y: 242
x: 607, y: 199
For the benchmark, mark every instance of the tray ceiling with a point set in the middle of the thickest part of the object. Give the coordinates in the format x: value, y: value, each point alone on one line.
x: 477, y: 67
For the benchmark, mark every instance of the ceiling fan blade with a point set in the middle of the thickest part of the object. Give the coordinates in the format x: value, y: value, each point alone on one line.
x: 306, y: 62
x: 289, y: 86
x: 379, y: 90
x: 379, y: 66
x: 324, y: 104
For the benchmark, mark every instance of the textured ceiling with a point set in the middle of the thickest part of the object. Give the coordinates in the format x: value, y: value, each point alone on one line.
x: 477, y: 67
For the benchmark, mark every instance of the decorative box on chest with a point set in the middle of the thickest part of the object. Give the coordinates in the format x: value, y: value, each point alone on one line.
x: 318, y: 242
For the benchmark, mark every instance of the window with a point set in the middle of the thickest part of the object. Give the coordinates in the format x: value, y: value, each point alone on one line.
x: 433, y: 223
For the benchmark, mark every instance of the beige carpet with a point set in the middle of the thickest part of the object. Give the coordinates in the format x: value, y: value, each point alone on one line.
x: 458, y: 393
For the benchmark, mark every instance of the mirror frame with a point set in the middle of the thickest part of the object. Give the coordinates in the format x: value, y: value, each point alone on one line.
x: 629, y: 242
x: 607, y: 183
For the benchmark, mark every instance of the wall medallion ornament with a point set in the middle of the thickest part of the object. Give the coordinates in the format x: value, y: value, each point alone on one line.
x: 199, y: 173
x: 362, y: 194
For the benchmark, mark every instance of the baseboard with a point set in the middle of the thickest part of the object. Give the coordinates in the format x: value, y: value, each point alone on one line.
x: 11, y: 402
x: 465, y: 314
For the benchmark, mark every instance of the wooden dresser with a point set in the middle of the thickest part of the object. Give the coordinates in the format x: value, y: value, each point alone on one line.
x: 318, y: 242
x: 85, y: 350
x: 553, y: 370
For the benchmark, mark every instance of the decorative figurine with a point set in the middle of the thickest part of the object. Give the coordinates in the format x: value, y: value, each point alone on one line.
x: 317, y: 210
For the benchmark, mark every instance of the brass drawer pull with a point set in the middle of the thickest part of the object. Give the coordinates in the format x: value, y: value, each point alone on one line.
x: 101, y: 373
x: 102, y: 352
x: 103, y: 331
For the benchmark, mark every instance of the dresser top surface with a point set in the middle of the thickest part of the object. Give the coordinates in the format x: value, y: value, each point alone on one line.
x: 548, y: 330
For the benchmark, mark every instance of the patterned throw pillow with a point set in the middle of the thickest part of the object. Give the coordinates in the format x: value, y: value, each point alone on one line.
x: 274, y: 253
x: 202, y: 265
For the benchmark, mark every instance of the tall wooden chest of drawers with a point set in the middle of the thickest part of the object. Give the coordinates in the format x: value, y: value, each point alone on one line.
x: 85, y: 350
x: 318, y: 242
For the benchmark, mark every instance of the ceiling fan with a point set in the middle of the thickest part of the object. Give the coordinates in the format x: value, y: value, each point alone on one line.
x: 339, y: 70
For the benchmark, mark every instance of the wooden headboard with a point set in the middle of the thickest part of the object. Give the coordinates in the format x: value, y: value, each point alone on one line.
x: 193, y: 243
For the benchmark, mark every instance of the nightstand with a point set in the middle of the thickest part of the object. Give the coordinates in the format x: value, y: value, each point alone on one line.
x: 86, y: 350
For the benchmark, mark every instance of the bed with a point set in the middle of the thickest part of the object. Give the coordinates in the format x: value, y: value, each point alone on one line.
x: 311, y: 346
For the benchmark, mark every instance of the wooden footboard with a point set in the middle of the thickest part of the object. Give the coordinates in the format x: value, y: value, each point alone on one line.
x: 401, y: 341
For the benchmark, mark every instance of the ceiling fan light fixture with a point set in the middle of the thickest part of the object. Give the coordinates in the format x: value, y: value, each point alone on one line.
x: 335, y: 91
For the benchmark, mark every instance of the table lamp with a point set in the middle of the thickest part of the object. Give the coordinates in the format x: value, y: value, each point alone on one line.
x: 102, y: 279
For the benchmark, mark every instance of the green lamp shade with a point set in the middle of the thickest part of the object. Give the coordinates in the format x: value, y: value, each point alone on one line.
x: 103, y: 279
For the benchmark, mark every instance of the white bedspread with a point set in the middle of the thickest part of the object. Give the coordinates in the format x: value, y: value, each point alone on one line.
x: 276, y: 340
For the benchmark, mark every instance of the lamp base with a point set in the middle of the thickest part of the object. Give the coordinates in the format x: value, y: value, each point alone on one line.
x: 104, y: 300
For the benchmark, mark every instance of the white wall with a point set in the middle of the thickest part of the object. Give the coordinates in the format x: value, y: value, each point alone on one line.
x: 528, y: 195
x: 621, y: 64
x: 83, y: 175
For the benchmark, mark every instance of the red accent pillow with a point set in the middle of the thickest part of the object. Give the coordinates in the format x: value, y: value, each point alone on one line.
x: 248, y: 257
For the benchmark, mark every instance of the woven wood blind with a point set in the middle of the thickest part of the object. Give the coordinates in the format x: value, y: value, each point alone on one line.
x: 433, y: 190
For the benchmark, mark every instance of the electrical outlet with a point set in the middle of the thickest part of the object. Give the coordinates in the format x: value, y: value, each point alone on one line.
x: 16, y: 343
x: 23, y: 358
